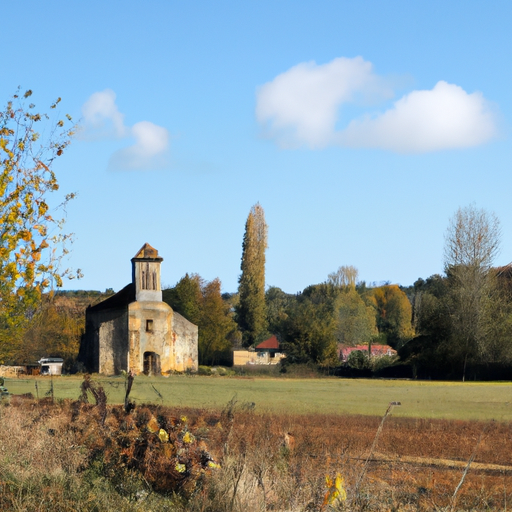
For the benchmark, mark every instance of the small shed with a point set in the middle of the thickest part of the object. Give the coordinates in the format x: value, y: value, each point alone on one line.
x: 269, y: 350
x: 51, y: 365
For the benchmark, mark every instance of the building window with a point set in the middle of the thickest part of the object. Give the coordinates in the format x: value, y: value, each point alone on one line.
x: 148, y: 277
x: 149, y: 325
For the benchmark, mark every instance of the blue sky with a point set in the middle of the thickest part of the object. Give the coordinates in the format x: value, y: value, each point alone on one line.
x: 360, y: 127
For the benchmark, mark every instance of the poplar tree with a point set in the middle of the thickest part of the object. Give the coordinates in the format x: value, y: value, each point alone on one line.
x: 251, y: 311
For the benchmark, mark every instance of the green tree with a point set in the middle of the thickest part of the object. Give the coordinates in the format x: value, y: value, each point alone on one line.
x: 31, y: 240
x: 251, y: 313
x: 278, y: 303
x: 428, y: 353
x: 201, y: 303
x: 355, y: 321
x: 185, y: 297
x: 309, y: 329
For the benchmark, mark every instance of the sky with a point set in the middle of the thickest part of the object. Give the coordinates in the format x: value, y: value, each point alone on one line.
x: 360, y: 127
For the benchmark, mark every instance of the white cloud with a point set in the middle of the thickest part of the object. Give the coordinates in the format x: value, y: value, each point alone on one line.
x: 445, y: 117
x: 302, y: 106
x: 102, y: 119
x: 150, y: 150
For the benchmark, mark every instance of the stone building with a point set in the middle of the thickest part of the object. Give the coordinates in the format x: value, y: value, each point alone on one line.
x: 134, y: 330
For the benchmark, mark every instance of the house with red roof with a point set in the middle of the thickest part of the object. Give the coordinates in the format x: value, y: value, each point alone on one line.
x: 267, y: 352
x: 376, y: 351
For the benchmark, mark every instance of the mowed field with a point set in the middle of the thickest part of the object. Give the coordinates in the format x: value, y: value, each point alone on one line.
x: 419, y: 399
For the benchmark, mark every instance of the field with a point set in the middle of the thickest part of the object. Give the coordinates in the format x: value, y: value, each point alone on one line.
x: 446, y: 400
x: 249, y: 445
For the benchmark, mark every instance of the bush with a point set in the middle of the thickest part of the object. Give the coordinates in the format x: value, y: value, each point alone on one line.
x: 358, y: 360
x: 257, y: 370
x: 223, y: 372
x: 204, y: 370
x: 378, y: 363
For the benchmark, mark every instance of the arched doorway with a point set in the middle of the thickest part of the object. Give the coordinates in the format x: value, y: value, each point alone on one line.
x: 152, y: 363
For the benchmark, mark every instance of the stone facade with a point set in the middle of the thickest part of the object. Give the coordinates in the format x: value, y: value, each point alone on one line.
x: 135, y: 331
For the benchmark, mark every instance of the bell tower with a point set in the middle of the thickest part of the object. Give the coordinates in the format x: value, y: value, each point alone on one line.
x: 146, y: 274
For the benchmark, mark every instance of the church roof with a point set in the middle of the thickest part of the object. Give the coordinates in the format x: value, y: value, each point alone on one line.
x: 121, y: 299
x: 147, y: 252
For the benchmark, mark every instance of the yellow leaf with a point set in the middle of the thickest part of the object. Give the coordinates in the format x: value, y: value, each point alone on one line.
x: 180, y: 468
x: 163, y: 435
x: 335, y: 490
x: 188, y: 438
x: 153, y: 425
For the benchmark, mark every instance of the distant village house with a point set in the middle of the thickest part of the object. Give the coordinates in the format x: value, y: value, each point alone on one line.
x: 267, y: 352
x: 376, y: 351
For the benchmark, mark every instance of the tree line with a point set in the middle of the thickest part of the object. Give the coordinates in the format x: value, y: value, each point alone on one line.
x: 452, y: 325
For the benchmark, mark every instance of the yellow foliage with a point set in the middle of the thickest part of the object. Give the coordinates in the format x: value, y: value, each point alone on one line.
x: 26, y: 183
x: 163, y: 436
x: 188, y: 438
x: 153, y: 425
x: 335, y: 490
x: 180, y: 468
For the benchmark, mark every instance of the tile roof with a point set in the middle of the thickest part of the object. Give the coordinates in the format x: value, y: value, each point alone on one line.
x: 271, y: 344
x: 120, y: 300
x: 377, y: 350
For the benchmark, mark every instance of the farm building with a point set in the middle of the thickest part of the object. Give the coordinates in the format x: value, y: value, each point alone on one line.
x: 267, y: 352
x: 134, y: 330
x: 377, y: 351
x: 51, y: 365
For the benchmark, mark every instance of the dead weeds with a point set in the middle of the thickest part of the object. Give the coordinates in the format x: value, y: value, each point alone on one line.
x: 83, y: 456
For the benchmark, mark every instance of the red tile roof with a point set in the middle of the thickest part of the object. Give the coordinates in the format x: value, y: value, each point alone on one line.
x: 271, y: 344
x: 377, y: 350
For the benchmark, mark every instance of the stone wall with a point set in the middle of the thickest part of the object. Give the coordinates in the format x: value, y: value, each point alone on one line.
x: 111, y: 327
x: 185, y: 342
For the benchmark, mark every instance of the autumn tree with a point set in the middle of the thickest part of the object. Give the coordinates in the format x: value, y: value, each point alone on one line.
x: 54, y: 330
x: 217, y: 326
x: 345, y: 276
x: 32, y: 243
x: 251, y: 314
x: 394, y: 314
x: 201, y: 303
x: 472, y: 242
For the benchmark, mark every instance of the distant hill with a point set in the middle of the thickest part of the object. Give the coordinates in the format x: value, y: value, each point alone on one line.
x: 75, y: 302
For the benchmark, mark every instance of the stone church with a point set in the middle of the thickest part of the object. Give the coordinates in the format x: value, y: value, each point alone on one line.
x: 135, y: 331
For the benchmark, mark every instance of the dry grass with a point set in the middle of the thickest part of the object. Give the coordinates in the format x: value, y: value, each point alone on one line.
x: 68, y: 456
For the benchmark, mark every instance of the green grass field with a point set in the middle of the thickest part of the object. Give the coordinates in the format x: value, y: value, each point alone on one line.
x: 447, y: 400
